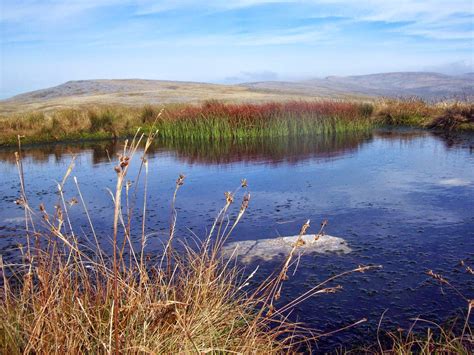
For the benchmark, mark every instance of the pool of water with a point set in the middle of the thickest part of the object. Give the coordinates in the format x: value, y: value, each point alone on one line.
x: 403, y: 199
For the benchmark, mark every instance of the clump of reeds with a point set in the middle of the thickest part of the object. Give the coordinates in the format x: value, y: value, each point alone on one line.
x: 455, y: 116
x: 406, y: 112
x: 218, y: 120
x: 68, y: 295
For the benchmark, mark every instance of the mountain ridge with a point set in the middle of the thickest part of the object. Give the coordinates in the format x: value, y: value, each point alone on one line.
x: 426, y: 85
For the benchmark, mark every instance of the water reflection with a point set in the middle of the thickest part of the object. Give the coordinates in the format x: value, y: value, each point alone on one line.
x: 289, y: 150
x: 276, y: 150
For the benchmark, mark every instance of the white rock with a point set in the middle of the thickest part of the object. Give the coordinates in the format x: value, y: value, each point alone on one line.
x: 267, y: 249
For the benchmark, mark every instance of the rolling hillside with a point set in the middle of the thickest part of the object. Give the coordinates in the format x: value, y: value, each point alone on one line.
x: 429, y: 86
x: 137, y: 92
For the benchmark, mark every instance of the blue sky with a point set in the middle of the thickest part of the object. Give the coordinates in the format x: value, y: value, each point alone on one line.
x: 45, y: 43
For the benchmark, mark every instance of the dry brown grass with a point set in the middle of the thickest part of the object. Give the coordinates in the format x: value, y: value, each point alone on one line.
x: 416, y: 112
x: 412, y: 112
x: 459, y: 115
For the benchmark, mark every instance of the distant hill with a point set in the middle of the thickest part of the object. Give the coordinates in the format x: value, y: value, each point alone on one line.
x: 133, y: 92
x: 429, y: 86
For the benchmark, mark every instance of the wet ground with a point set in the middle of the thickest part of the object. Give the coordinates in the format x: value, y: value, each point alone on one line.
x: 403, y: 199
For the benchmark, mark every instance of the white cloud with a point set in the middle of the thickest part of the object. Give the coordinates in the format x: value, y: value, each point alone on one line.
x: 306, y: 34
x: 435, y: 19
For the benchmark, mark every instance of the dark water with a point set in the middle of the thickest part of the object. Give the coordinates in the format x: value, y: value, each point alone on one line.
x: 403, y: 199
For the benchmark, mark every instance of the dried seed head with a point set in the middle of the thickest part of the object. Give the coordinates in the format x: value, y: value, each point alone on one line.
x: 20, y: 201
x: 271, y: 309
x: 245, y: 202
x: 362, y: 268
x: 437, y: 277
x: 117, y: 169
x: 304, y: 228
x: 180, y: 180
x: 73, y: 201
x: 229, y: 197
x: 243, y: 182
x: 299, y: 242
x: 330, y: 289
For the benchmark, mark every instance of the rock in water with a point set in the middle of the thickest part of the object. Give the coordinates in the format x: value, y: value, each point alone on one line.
x: 267, y: 249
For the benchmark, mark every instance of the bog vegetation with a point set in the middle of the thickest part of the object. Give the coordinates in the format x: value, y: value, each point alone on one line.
x: 218, y: 120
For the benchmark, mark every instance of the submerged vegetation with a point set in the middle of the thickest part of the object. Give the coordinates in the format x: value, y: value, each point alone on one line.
x: 216, y: 120
x: 71, y: 291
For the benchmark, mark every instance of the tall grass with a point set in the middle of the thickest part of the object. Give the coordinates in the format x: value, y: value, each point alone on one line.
x: 418, y: 113
x: 454, y: 117
x: 216, y: 120
x: 210, y: 120
x: 67, y: 294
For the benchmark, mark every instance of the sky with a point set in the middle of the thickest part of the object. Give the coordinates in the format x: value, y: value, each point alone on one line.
x: 45, y: 43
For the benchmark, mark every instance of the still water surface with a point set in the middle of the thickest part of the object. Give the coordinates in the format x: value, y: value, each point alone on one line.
x: 403, y: 199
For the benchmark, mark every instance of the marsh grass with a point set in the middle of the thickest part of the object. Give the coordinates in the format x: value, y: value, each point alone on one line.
x: 418, y: 113
x: 211, y: 120
x: 436, y: 339
x: 454, y: 117
x: 408, y: 112
x: 66, y: 294
x: 216, y: 120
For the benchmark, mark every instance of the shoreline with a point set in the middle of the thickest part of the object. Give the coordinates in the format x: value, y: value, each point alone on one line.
x: 214, y: 120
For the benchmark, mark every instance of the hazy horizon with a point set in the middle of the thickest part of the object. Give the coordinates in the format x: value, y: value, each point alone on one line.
x: 46, y: 43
